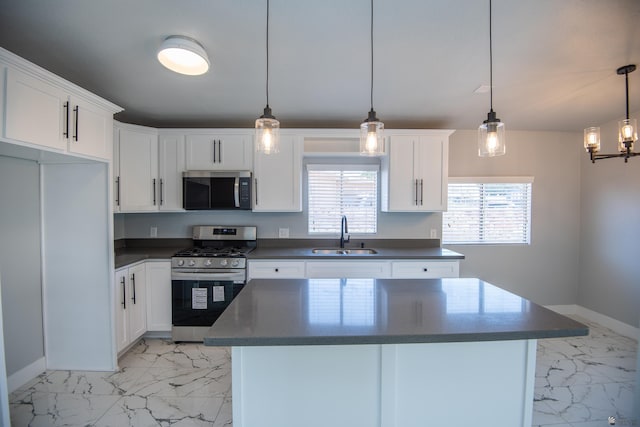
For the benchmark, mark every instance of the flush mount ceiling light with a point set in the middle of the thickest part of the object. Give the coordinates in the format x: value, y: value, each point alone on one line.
x: 267, y: 126
x: 627, y: 129
x: 491, y: 139
x: 183, y: 55
x: 372, y: 129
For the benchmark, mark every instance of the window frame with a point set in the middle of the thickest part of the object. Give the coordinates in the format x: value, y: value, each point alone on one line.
x: 526, y: 180
x: 342, y: 166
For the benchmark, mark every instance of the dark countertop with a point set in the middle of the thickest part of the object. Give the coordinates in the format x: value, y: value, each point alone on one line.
x: 381, y: 253
x: 130, y: 251
x: 382, y: 311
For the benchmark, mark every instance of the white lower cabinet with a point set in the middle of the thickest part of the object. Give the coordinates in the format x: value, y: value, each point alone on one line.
x: 131, y: 312
x: 424, y: 269
x: 373, y: 268
x: 158, y: 296
x: 275, y: 269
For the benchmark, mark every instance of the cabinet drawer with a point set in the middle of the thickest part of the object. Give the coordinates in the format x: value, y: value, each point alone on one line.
x: 424, y: 269
x: 276, y: 269
x: 348, y: 269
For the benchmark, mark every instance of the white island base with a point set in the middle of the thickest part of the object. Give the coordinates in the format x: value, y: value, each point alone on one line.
x: 486, y: 383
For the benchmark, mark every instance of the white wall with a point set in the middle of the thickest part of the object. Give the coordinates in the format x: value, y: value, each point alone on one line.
x: 546, y: 271
x: 20, y: 262
x: 610, y: 233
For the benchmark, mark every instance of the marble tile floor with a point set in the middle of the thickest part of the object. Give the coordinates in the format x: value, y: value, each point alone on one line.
x: 580, y: 382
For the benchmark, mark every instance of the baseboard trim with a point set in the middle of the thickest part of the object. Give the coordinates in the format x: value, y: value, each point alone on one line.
x: 26, y: 374
x: 606, y: 321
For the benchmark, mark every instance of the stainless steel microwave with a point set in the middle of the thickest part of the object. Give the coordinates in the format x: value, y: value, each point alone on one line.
x: 213, y: 190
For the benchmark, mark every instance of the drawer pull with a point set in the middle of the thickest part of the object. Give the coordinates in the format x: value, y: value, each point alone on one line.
x: 425, y: 269
x: 276, y: 270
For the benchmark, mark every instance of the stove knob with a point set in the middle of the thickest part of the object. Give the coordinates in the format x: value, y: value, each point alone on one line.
x: 235, y: 263
x: 180, y: 262
x: 192, y: 262
x: 207, y: 263
x: 224, y: 262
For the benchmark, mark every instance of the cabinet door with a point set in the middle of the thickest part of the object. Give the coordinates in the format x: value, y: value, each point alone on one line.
x: 171, y: 166
x: 138, y: 171
x: 432, y: 158
x: 424, y: 269
x: 278, y: 178
x: 91, y: 129
x: 400, y: 188
x: 219, y: 152
x: 348, y: 269
x: 273, y: 269
x: 122, y: 304
x: 36, y: 112
x: 137, y: 301
x: 158, y: 296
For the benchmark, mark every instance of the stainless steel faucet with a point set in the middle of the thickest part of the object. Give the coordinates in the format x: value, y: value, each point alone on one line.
x: 344, y: 229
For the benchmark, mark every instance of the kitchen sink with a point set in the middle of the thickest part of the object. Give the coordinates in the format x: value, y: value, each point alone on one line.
x: 339, y: 251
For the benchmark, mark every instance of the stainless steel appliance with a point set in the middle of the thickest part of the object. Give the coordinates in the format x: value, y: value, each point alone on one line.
x: 206, y: 277
x: 209, y: 190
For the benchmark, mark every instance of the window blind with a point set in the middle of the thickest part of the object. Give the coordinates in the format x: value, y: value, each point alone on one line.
x: 336, y: 190
x: 488, y: 211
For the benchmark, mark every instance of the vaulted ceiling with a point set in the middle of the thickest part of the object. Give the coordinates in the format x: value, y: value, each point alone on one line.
x: 554, y: 61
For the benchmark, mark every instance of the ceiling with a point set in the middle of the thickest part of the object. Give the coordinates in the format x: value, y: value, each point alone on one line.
x: 554, y: 61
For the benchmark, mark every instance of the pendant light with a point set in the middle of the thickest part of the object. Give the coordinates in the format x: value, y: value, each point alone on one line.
x: 372, y: 129
x: 627, y: 129
x: 267, y: 126
x: 183, y: 55
x: 491, y: 139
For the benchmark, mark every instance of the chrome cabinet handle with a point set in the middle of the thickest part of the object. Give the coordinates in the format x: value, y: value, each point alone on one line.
x: 124, y: 294
x: 161, y: 193
x: 219, y: 151
x: 77, y: 111
x: 133, y: 286
x: 66, y: 128
x: 214, y: 151
x: 256, y: 189
x: 416, y: 185
x: 154, y: 191
x: 118, y: 191
x: 421, y: 191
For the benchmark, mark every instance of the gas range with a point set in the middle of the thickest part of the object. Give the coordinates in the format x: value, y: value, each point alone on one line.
x: 216, y: 247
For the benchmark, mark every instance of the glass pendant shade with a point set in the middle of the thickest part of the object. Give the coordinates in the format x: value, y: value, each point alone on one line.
x: 627, y: 134
x: 372, y: 136
x: 592, y: 139
x: 183, y: 55
x: 491, y: 138
x: 267, y: 133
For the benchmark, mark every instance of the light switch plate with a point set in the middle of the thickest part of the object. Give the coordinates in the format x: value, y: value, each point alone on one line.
x: 153, y: 232
x: 283, y: 233
x: 434, y: 233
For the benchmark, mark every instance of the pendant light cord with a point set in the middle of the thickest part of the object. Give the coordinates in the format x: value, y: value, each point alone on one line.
x: 267, y: 38
x: 626, y: 86
x: 371, y: 55
x: 490, y: 60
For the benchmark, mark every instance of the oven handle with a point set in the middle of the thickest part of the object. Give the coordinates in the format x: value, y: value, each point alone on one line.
x: 231, y: 276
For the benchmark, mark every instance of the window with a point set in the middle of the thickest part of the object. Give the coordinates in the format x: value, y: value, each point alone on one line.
x: 336, y: 190
x: 488, y: 211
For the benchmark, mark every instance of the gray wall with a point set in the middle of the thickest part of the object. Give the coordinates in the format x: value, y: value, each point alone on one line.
x: 610, y: 235
x: 20, y: 262
x: 547, y: 270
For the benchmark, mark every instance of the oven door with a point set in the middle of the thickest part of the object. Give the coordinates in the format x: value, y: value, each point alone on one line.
x: 198, y: 299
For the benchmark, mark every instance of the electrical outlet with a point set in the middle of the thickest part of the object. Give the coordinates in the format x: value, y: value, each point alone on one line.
x: 153, y: 232
x: 434, y: 233
x: 283, y: 233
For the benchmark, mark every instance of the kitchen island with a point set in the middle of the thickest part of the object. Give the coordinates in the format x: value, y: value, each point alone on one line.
x: 374, y: 352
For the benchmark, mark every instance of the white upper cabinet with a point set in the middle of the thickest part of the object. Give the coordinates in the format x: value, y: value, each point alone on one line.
x: 171, y: 165
x: 219, y: 151
x: 44, y: 110
x: 36, y: 111
x: 136, y: 180
x: 415, y: 173
x: 278, y: 178
x: 90, y: 129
